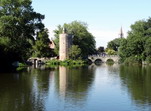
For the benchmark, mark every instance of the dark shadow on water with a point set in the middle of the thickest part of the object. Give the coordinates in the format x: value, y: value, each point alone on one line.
x: 7, y: 69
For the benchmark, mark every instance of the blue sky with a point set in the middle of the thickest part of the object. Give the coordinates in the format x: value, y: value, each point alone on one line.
x: 104, y: 17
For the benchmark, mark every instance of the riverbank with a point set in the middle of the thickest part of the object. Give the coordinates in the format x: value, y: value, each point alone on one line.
x: 53, y: 63
x: 67, y: 62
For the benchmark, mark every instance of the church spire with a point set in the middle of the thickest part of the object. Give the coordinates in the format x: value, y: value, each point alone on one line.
x: 121, y: 33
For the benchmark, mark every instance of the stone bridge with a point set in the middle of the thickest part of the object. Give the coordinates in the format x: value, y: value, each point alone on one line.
x: 104, y: 58
x: 36, y: 60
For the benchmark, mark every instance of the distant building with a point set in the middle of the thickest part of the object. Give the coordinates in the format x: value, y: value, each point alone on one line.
x: 121, y: 34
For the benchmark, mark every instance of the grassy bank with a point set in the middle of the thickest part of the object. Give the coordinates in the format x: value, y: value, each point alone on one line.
x: 68, y: 62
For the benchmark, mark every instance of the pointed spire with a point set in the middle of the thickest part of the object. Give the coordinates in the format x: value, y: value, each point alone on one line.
x: 121, y: 33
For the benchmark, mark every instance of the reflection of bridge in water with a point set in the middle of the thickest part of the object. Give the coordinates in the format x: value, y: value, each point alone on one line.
x: 104, y: 58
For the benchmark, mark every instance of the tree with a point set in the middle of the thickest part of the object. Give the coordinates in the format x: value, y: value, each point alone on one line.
x: 82, y: 38
x: 114, y: 44
x: 100, y: 50
x: 74, y: 52
x: 41, y: 47
x: 147, y: 47
x: 137, y: 45
x: 110, y: 51
x: 18, y: 27
x: 123, y: 50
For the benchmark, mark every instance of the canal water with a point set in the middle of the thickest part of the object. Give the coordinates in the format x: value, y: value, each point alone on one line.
x: 90, y: 88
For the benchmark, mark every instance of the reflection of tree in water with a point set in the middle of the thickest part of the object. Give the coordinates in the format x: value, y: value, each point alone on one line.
x: 138, y: 80
x: 112, y: 68
x: 74, y: 83
x: 24, y: 91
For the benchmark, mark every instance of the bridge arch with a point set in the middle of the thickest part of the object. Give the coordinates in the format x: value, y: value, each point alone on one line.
x: 90, y: 61
x: 110, y: 60
x: 98, y: 61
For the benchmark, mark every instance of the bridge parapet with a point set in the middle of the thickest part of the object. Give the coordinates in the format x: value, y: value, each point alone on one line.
x: 104, y: 58
x: 103, y: 55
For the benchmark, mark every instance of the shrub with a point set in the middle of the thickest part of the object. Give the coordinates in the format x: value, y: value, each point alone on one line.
x: 67, y: 62
x: 148, y: 59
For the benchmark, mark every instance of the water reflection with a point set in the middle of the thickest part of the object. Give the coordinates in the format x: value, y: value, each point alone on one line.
x: 94, y: 88
x: 111, y: 67
x: 137, y: 80
x: 24, y: 91
x: 74, y: 83
x: 63, y: 73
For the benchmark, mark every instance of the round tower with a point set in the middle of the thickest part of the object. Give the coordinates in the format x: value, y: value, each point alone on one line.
x: 63, y: 45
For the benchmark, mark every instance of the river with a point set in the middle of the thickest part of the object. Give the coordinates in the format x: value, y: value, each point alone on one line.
x: 89, y: 88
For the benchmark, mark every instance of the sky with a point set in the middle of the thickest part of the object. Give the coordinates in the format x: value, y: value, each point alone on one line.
x: 104, y: 17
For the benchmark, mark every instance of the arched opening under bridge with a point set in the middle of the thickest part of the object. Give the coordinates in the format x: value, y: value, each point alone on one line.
x: 98, y: 61
x: 110, y: 61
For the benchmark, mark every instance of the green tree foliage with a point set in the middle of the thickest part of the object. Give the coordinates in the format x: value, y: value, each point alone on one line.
x: 41, y: 47
x: 74, y: 52
x: 18, y: 26
x: 147, y: 47
x: 123, y: 50
x: 82, y: 37
x: 110, y: 51
x: 138, y: 43
x: 114, y: 44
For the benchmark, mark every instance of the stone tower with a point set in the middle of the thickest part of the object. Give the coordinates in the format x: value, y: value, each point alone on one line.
x: 65, y: 41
